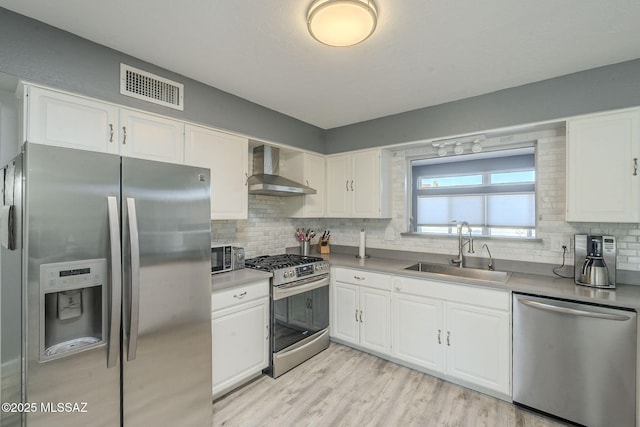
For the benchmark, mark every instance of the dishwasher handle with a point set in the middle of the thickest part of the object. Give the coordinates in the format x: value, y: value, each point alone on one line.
x: 576, y: 312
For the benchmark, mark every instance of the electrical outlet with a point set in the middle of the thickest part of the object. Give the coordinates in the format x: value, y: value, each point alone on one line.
x: 566, y: 241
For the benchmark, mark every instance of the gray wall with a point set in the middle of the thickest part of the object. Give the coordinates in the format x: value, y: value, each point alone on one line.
x: 598, y: 89
x: 43, y: 54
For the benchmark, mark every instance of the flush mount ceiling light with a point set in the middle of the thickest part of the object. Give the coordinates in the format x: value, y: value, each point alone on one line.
x: 341, y: 22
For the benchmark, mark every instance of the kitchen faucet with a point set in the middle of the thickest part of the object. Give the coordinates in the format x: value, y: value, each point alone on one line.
x: 459, y: 261
x: 490, y: 266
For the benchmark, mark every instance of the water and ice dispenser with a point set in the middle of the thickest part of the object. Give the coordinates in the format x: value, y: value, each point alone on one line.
x: 73, y: 307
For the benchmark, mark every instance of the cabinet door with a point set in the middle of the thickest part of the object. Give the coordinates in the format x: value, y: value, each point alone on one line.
x: 314, y: 168
x: 375, y: 318
x: 366, y: 184
x: 478, y: 346
x: 151, y: 137
x: 346, y: 325
x: 602, y: 156
x: 418, y: 333
x: 227, y: 158
x: 339, y: 186
x: 63, y: 120
x: 308, y: 169
x: 240, y: 346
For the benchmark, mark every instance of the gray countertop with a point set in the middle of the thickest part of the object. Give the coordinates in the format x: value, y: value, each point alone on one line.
x: 627, y: 296
x: 235, y: 278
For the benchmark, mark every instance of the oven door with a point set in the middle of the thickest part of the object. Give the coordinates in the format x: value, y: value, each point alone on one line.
x: 299, y: 323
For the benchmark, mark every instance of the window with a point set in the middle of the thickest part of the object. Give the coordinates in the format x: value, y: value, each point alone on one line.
x: 494, y: 192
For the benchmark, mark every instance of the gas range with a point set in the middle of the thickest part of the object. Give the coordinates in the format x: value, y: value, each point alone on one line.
x: 299, y: 314
x: 290, y: 269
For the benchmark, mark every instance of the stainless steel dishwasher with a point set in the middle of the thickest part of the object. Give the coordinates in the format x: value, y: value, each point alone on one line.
x: 575, y: 361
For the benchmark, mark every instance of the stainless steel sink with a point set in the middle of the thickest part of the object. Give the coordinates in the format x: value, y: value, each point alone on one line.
x: 469, y: 273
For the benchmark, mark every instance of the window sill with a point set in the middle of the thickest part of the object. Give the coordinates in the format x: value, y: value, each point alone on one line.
x: 465, y: 235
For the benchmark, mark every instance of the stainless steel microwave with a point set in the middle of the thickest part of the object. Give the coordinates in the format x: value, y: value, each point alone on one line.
x: 226, y: 258
x: 221, y: 258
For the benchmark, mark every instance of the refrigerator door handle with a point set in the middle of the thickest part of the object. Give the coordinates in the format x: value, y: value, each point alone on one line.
x: 135, y: 279
x: 116, y: 282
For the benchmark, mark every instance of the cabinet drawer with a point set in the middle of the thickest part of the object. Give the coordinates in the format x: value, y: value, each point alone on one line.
x: 238, y: 295
x: 481, y: 297
x: 363, y: 278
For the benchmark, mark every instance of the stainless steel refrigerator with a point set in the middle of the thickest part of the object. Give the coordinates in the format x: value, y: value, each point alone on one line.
x: 106, y: 298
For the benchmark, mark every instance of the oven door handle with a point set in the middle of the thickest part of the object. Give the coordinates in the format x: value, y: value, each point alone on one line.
x: 280, y: 293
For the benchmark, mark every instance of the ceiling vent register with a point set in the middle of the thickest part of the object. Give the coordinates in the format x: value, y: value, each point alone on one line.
x: 149, y: 87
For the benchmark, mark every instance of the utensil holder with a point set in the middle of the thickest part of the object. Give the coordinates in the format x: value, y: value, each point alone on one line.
x: 305, y: 248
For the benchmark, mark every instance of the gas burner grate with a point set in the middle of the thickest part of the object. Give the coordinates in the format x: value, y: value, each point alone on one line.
x: 275, y: 262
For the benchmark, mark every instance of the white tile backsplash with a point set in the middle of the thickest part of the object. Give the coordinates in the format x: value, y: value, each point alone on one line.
x: 268, y: 230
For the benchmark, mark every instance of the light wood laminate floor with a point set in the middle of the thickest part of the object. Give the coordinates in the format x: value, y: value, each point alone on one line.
x: 345, y: 387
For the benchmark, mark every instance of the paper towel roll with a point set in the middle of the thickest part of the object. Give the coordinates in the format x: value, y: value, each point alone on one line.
x: 361, y: 253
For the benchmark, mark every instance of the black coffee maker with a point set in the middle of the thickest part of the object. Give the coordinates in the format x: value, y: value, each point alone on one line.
x: 595, y: 261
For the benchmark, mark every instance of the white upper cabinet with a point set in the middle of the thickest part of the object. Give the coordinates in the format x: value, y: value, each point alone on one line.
x: 602, y: 167
x: 65, y: 120
x: 56, y: 118
x: 147, y: 136
x: 227, y: 157
x: 358, y: 184
x: 339, y: 197
x: 307, y: 169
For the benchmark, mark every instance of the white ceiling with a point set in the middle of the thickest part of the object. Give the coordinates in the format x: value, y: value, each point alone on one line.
x: 424, y: 52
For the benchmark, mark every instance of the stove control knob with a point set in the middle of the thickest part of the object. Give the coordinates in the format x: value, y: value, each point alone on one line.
x: 285, y: 274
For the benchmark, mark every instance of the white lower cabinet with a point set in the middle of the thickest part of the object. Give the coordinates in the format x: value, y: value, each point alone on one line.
x: 362, y: 309
x: 418, y: 331
x: 240, y: 335
x: 462, y: 332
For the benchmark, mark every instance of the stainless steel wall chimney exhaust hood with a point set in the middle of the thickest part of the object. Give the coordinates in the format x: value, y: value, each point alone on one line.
x: 266, y: 179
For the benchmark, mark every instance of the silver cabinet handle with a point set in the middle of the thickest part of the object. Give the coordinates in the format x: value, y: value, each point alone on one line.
x: 351, y: 185
x: 124, y: 133
x: 566, y: 310
x: 635, y: 166
x: 439, y: 340
x: 267, y: 335
x: 346, y: 183
x: 116, y: 281
x: 360, y: 316
x: 356, y: 315
x: 246, y: 181
x: 240, y: 296
x: 449, y: 338
x: 358, y: 277
x: 110, y: 132
x: 135, y: 279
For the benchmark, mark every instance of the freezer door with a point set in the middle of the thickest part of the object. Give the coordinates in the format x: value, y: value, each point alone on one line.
x: 67, y: 224
x: 167, y: 294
